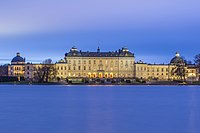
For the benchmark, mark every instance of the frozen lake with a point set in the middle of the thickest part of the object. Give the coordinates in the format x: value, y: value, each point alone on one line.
x: 99, y: 109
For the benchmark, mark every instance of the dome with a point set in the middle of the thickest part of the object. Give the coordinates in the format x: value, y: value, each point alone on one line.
x: 18, y: 59
x: 177, y: 59
x: 73, y: 52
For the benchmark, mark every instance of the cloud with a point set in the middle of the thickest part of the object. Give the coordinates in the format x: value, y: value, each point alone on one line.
x: 23, y: 16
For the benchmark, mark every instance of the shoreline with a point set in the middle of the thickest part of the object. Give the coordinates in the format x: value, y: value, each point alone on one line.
x: 104, y: 84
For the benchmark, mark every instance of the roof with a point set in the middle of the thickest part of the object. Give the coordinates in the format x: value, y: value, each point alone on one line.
x: 18, y: 58
x: 121, y: 53
x: 177, y: 59
x: 192, y: 66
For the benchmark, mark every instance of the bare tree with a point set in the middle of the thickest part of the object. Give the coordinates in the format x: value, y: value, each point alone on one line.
x: 197, y: 63
x: 179, y: 71
x: 47, y: 72
x: 4, y: 70
x: 39, y: 74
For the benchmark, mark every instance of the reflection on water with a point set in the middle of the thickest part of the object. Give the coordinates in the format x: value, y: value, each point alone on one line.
x: 99, y: 109
x: 193, y: 110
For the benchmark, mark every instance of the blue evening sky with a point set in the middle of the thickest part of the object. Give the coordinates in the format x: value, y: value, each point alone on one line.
x: 152, y: 29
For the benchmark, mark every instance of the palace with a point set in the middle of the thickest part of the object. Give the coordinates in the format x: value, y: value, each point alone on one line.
x: 118, y: 64
x: 115, y: 64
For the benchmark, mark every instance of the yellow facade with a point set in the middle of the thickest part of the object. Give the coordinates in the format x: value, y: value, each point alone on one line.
x: 16, y: 70
x: 17, y: 67
x: 62, y: 70
x: 96, y: 67
x: 192, y: 74
x: 152, y: 71
x: 30, y: 70
x: 108, y: 65
x: 162, y: 72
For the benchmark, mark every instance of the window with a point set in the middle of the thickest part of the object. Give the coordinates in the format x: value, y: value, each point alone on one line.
x: 89, y: 67
x: 84, y: 68
x: 94, y: 61
x: 89, y: 61
x: 74, y: 68
x: 69, y: 68
x: 116, y: 63
x: 28, y: 68
x: 79, y: 67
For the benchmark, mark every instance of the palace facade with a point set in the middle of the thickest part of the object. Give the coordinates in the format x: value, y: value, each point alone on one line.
x: 118, y: 64
x: 115, y: 64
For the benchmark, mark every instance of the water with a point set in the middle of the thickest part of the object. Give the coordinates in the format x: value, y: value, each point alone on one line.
x: 99, y: 109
